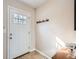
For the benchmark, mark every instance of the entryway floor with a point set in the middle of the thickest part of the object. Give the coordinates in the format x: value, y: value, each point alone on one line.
x: 32, y: 55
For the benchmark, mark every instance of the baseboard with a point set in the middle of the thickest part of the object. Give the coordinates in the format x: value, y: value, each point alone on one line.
x: 47, y: 57
x: 32, y: 50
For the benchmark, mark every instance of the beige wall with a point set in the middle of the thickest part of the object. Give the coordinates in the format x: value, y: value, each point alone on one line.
x: 26, y: 9
x: 61, y: 24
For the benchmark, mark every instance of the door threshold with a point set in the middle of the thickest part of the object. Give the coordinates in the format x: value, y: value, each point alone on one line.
x: 21, y: 55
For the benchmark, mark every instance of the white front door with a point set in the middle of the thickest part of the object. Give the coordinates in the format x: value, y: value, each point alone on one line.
x: 19, y: 33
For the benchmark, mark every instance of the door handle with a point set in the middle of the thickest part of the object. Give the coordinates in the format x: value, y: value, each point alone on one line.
x: 10, y: 38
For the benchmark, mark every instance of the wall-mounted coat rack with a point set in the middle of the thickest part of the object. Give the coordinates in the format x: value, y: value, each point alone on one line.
x: 42, y: 21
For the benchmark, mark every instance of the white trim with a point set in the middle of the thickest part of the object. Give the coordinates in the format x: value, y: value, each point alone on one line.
x: 8, y: 55
x: 32, y: 50
x: 41, y: 53
x: 20, y: 10
x: 48, y: 57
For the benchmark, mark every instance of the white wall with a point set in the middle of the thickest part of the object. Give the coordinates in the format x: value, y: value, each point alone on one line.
x: 26, y: 9
x: 61, y: 24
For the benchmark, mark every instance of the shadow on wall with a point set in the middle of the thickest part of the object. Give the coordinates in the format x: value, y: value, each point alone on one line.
x: 46, y: 38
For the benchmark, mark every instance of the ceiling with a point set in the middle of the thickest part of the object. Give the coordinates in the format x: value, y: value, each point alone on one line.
x: 34, y: 3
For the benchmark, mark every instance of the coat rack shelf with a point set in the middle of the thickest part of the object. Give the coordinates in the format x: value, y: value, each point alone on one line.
x: 42, y: 21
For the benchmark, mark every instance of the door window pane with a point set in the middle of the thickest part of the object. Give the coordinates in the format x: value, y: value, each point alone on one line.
x: 20, y: 19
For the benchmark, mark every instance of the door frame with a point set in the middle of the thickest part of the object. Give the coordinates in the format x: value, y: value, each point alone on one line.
x: 8, y: 23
